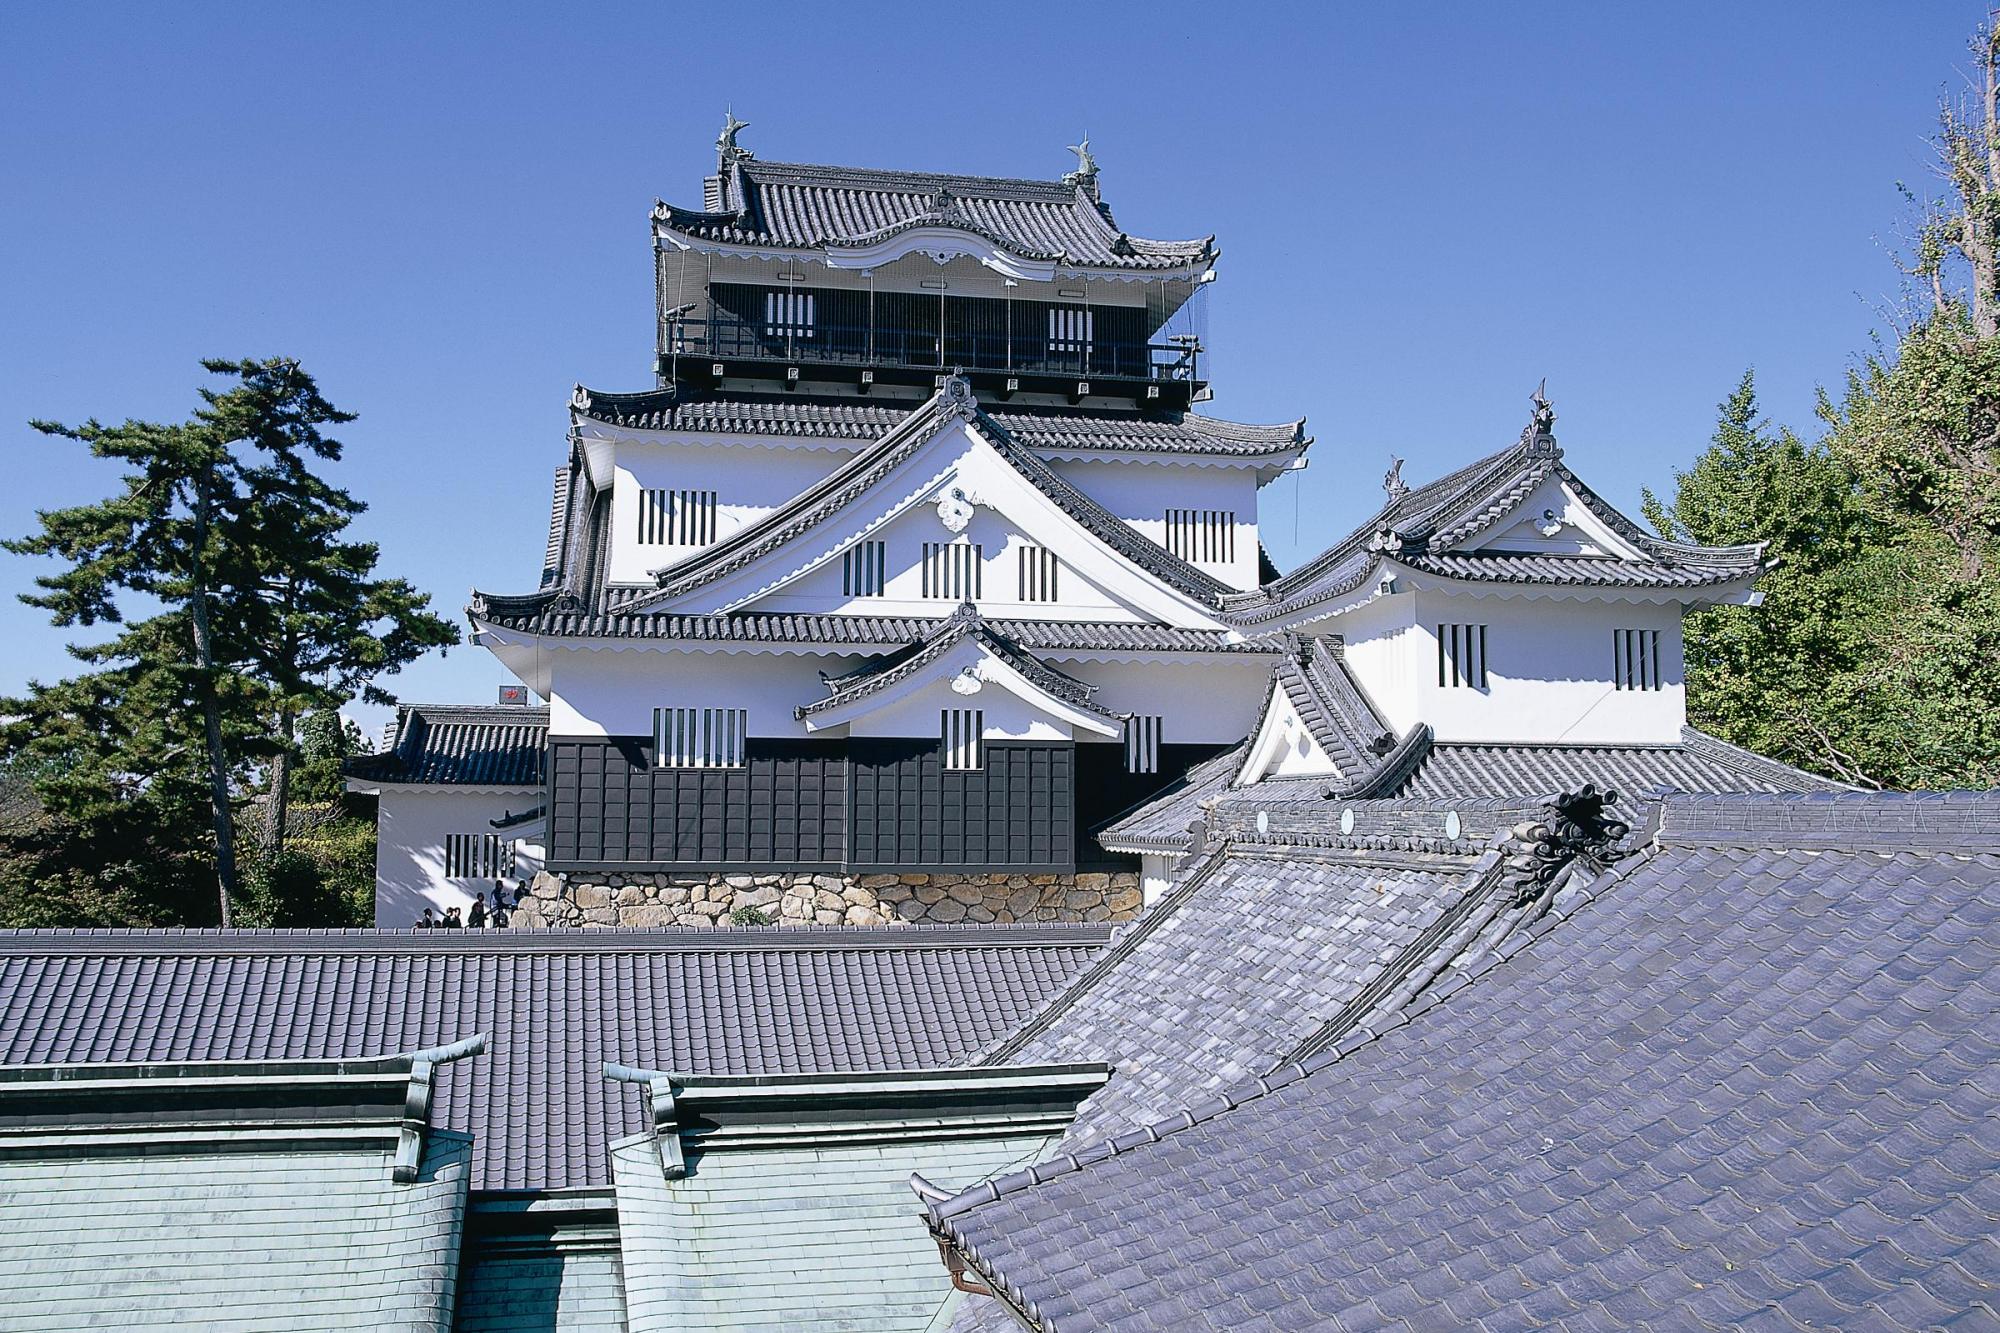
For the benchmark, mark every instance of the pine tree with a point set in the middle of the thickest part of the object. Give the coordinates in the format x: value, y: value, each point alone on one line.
x: 264, y: 611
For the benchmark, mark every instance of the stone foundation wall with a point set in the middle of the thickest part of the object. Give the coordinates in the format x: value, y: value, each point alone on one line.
x: 790, y: 899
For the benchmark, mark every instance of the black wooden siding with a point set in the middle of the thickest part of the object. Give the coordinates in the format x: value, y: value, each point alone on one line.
x: 861, y: 805
x: 608, y: 806
x: 908, y: 811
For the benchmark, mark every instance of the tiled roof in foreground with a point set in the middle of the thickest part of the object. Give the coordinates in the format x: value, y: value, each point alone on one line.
x: 1745, y: 1076
x: 558, y: 1005
x: 1051, y: 430
x: 1423, y: 769
x: 462, y: 745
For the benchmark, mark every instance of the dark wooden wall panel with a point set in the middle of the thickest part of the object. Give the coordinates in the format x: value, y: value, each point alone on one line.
x: 608, y: 806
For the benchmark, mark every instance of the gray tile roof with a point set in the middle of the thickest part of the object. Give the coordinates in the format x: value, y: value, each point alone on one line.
x: 1426, y: 529
x: 1700, y: 763
x: 542, y: 615
x: 1046, y: 430
x: 558, y: 1005
x: 462, y: 745
x: 1426, y: 770
x: 796, y: 206
x: 879, y: 673
x: 1243, y: 961
x: 1729, y: 1083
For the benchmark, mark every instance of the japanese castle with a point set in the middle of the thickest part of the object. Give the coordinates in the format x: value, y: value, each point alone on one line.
x: 1149, y: 940
x: 918, y: 560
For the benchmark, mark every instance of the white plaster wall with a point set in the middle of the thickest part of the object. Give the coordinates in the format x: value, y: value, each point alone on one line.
x: 1007, y: 715
x: 1142, y: 493
x: 411, y: 824
x: 749, y: 480
x: 605, y: 693
x: 1384, y: 656
x: 1156, y: 876
x: 1000, y: 541
x: 1549, y: 666
x: 1204, y: 699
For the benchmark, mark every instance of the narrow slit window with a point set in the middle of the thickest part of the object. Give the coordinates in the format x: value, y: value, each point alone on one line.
x: 1038, y: 574
x: 1069, y: 335
x: 1202, y: 536
x: 700, y: 737
x: 1635, y: 659
x: 959, y: 730
x: 863, y: 569
x: 952, y: 570
x: 1461, y: 653
x: 790, y: 314
x: 477, y: 856
x: 1142, y: 744
x: 676, y: 517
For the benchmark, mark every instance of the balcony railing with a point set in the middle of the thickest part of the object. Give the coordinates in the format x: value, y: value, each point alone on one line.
x: 1177, y: 359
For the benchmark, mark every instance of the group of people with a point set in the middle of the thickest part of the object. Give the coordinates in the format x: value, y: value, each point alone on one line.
x: 478, y: 917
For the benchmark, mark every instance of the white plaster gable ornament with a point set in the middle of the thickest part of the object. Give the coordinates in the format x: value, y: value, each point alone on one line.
x: 967, y: 681
x: 954, y: 508
x: 1550, y: 523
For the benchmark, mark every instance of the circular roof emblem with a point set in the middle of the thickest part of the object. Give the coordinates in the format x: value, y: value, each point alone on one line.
x: 1263, y: 821
x: 1347, y: 821
x: 1451, y: 825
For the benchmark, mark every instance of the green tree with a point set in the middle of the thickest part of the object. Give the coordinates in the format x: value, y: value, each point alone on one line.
x: 260, y: 610
x: 318, y: 627
x: 1875, y: 656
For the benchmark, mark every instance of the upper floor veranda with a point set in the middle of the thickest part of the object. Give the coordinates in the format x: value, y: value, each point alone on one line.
x: 855, y: 281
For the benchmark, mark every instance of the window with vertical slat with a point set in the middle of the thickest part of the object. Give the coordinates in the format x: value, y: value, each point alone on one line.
x: 790, y: 314
x: 863, y: 569
x: 1038, y: 567
x: 959, y: 730
x: 676, y: 517
x: 477, y: 856
x: 699, y: 737
x: 1142, y: 743
x: 1202, y: 536
x: 1635, y: 659
x: 1461, y: 653
x: 952, y: 570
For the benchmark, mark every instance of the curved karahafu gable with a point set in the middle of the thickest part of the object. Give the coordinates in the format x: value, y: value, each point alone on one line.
x: 1519, y: 516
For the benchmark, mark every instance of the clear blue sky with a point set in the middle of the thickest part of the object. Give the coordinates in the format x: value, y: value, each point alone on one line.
x: 1422, y: 209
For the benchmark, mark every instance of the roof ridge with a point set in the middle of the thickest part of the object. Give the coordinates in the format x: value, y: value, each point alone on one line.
x: 193, y: 941
x: 1228, y: 1099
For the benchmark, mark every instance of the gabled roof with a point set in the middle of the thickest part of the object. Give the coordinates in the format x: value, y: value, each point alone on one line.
x: 558, y: 1004
x: 459, y: 745
x: 858, y: 475
x: 1314, y: 680
x: 1046, y: 430
x: 796, y: 206
x: 1741, y: 1077
x: 1429, y: 529
x: 966, y: 624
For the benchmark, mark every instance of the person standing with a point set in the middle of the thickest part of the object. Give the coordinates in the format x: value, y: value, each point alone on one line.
x: 452, y: 920
x: 476, y: 918
x: 428, y: 921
